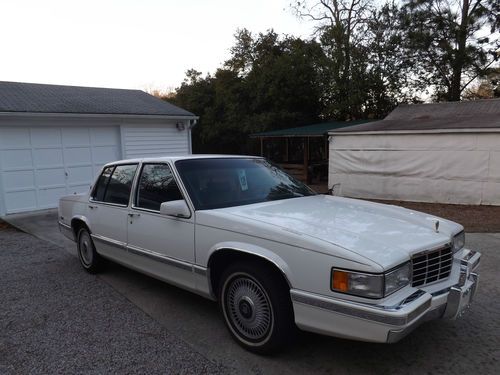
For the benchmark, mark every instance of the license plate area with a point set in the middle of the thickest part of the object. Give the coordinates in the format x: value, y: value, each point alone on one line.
x: 460, y: 298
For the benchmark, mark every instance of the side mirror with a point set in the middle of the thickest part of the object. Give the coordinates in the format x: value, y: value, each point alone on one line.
x: 177, y: 208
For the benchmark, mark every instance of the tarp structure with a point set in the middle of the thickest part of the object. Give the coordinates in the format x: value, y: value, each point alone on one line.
x: 456, y: 167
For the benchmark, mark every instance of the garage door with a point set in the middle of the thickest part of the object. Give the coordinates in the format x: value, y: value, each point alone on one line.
x: 40, y: 164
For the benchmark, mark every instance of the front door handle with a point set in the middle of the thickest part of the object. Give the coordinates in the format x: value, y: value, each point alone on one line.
x: 91, y: 206
x: 133, y: 214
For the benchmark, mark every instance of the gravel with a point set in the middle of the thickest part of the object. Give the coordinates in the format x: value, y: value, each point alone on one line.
x: 56, y: 318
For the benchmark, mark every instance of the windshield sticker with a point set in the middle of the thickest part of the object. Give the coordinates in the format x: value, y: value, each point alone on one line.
x: 242, y: 177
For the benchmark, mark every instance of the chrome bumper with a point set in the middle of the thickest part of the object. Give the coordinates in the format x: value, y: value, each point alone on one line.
x: 379, y: 323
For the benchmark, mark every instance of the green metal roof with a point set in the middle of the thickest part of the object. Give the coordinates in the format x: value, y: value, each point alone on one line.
x: 309, y: 130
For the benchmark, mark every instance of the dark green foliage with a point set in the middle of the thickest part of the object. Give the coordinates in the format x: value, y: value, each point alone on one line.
x: 268, y: 83
x: 451, y: 43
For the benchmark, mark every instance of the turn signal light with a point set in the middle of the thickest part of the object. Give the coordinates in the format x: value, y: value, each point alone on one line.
x: 340, y: 281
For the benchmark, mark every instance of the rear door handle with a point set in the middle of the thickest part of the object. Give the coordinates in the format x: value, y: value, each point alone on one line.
x: 92, y: 206
x: 133, y: 214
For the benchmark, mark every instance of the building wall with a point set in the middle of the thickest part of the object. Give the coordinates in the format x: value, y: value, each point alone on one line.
x: 462, y: 168
x: 148, y: 140
x: 46, y: 157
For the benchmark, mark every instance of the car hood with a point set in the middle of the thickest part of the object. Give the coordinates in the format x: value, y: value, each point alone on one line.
x: 385, y: 234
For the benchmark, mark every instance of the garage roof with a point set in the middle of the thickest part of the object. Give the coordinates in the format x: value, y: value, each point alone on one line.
x: 313, y: 130
x: 468, y: 115
x: 41, y: 98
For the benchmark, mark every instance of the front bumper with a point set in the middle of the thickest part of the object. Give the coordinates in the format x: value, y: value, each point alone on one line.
x: 379, y: 323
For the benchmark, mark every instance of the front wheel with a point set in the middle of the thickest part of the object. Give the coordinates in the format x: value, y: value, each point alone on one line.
x: 255, y: 302
x: 89, y: 259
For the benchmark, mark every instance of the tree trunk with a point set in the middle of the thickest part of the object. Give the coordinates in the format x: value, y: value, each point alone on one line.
x: 456, y: 79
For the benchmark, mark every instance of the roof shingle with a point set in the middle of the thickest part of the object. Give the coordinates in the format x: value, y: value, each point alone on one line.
x: 41, y: 98
x: 477, y: 114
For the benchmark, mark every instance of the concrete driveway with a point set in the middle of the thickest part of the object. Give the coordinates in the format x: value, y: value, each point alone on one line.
x: 469, y: 345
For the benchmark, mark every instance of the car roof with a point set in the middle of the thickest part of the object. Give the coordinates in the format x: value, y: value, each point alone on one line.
x: 174, y: 158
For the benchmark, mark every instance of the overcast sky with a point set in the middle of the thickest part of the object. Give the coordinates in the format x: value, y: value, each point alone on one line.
x: 144, y: 44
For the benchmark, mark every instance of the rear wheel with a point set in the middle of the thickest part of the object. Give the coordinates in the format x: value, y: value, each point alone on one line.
x: 255, y: 303
x: 89, y: 259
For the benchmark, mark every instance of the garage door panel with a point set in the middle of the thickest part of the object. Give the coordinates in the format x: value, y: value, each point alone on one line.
x: 20, y: 201
x: 46, y: 158
x: 38, y: 165
x: 75, y: 136
x: 47, y: 196
x: 105, y: 154
x: 50, y: 177
x: 18, y: 137
x: 77, y: 189
x: 46, y: 137
x: 16, y: 159
x: 77, y: 156
x: 17, y: 180
x: 106, y: 136
x: 80, y: 175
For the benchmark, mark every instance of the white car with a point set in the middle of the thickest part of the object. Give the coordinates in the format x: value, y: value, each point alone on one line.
x: 273, y: 253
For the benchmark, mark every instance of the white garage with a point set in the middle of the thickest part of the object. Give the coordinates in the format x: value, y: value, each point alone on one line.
x: 54, y: 139
x: 441, y: 152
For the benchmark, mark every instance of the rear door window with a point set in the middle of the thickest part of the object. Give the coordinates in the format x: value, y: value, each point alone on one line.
x: 120, y: 184
x: 156, y: 185
x: 102, y: 183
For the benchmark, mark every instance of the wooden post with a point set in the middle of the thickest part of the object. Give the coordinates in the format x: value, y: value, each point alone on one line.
x: 286, y: 149
x: 306, y: 158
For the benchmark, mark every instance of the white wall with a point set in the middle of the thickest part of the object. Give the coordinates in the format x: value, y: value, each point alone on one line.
x: 447, y: 168
x: 148, y: 140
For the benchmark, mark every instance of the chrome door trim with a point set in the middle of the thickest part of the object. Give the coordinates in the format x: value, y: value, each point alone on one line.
x: 108, y: 241
x: 160, y: 258
x: 202, y: 271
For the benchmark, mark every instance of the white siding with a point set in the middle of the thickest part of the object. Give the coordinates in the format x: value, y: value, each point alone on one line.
x: 447, y: 168
x: 154, y: 140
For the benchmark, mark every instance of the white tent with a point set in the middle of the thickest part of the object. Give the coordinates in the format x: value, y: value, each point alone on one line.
x: 442, y: 152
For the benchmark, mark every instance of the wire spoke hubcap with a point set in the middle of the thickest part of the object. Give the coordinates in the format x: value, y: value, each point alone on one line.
x: 86, y: 249
x: 248, y: 308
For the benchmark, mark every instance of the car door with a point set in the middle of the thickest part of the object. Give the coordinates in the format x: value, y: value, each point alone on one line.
x: 160, y: 245
x: 108, y: 210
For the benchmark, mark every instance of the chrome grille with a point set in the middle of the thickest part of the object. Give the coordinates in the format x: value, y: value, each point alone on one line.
x: 430, y: 266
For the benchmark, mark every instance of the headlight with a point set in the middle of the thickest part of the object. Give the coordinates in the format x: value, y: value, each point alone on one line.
x: 397, y: 278
x: 370, y: 285
x: 458, y: 242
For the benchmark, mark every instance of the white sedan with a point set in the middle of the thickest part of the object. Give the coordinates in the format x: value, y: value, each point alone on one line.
x: 274, y: 254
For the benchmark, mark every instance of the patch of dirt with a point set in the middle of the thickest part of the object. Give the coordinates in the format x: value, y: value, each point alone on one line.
x: 4, y: 225
x: 475, y: 219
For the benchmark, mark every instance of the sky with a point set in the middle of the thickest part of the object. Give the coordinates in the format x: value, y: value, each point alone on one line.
x: 136, y: 44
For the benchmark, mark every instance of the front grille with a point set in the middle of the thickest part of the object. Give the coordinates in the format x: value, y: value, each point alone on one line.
x: 430, y: 266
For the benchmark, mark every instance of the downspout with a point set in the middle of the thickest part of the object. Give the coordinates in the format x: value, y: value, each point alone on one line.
x: 192, y: 124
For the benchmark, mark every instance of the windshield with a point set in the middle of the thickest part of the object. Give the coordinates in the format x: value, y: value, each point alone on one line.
x: 217, y: 183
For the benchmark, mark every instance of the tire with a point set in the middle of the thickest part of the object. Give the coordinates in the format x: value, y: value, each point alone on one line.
x: 255, y: 303
x: 89, y: 259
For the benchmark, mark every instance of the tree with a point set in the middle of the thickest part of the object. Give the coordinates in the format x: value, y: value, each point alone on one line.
x: 451, y: 43
x: 487, y: 88
x: 341, y: 29
x: 269, y: 82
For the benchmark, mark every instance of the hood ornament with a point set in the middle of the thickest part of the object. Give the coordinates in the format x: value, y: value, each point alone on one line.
x: 436, y: 226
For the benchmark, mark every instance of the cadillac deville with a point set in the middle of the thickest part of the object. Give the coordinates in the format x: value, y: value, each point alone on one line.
x: 273, y: 253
